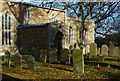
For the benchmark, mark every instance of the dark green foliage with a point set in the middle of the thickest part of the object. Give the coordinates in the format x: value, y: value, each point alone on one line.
x: 100, y: 41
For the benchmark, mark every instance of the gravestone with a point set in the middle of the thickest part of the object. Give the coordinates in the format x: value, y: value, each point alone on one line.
x: 35, y: 52
x: 93, y: 49
x: 7, y: 59
x: 30, y: 60
x: 53, y: 55
x: 119, y: 51
x: 43, y: 55
x: 65, y: 56
x: 18, y: 61
x: 116, y: 52
x: 98, y: 51
x: 111, y: 47
x: 78, y: 61
x: 104, y: 50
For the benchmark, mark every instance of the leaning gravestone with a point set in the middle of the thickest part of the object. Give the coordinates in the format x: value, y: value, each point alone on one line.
x: 111, y: 47
x: 30, y: 60
x: 78, y: 61
x: 93, y: 49
x: 43, y: 55
x: 104, y: 50
x: 116, y: 52
x: 53, y: 55
x: 18, y: 61
x: 65, y: 56
x: 7, y: 59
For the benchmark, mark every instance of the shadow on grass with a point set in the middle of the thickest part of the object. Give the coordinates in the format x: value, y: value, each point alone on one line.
x: 104, y: 64
x: 47, y: 65
x: 6, y: 78
x: 111, y: 76
x: 61, y: 68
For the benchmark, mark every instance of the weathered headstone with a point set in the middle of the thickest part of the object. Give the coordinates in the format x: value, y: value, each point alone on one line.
x: 93, y: 49
x: 18, y: 61
x: 7, y: 59
x: 65, y: 56
x: 53, y: 55
x: 30, y: 60
x: 119, y: 51
x: 116, y: 52
x: 111, y: 47
x: 104, y: 50
x: 43, y: 55
x: 78, y: 61
x: 35, y: 53
x: 98, y: 51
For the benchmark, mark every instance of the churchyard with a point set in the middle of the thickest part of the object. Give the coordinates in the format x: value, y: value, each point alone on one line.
x: 100, y: 63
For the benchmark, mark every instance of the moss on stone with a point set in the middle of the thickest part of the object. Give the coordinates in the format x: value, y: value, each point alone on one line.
x: 78, y: 61
x: 65, y: 56
x: 43, y: 55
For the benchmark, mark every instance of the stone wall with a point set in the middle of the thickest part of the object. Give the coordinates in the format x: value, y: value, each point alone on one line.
x: 30, y: 37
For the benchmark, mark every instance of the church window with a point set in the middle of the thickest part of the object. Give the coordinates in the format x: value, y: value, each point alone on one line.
x: 74, y: 45
x: 2, y: 22
x: 70, y: 35
x: 9, y: 38
x: 2, y: 37
x: 6, y: 37
x: 6, y: 29
x: 9, y: 23
x: 5, y: 21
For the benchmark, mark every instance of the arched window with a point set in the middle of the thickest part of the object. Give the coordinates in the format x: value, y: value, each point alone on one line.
x: 6, y: 21
x: 6, y: 29
x: 70, y: 35
x: 2, y: 22
x: 6, y: 38
x: 74, y: 45
x: 9, y: 38
x: 9, y: 23
x: 2, y: 37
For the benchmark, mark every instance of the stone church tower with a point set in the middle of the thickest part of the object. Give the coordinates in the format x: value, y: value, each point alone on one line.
x: 30, y: 15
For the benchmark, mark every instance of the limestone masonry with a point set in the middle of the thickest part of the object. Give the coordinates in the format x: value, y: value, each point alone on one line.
x: 31, y: 28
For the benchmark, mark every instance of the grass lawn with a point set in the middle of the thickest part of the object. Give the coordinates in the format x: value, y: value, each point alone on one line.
x: 58, y: 71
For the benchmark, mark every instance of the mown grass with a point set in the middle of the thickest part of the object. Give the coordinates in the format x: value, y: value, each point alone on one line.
x: 59, y: 71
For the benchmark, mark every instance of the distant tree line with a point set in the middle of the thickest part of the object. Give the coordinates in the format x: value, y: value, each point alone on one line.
x: 115, y: 38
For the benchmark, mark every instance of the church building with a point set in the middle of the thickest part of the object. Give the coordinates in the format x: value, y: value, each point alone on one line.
x: 29, y: 27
